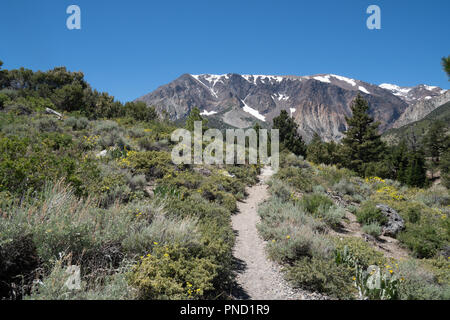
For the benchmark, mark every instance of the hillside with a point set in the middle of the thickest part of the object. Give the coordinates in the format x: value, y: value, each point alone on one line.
x: 92, y: 207
x: 419, y: 128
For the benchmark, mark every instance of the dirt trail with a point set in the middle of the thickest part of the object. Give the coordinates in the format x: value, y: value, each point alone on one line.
x: 258, y: 277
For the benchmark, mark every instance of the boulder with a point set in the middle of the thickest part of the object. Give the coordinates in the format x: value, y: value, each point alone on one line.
x: 395, y: 222
x: 203, y: 171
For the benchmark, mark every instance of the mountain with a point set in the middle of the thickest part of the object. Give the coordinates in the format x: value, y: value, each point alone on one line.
x: 420, y: 109
x: 420, y: 127
x: 318, y: 103
x: 415, y: 94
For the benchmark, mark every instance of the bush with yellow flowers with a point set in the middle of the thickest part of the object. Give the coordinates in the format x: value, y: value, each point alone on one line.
x: 172, y: 272
x: 151, y: 163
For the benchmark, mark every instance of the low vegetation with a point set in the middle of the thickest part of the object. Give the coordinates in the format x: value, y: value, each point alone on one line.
x: 97, y: 190
x: 296, y: 223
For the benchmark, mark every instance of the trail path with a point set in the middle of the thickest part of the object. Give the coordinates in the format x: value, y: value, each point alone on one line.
x: 258, y: 277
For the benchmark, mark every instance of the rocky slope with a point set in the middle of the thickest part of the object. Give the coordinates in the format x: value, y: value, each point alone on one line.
x: 421, y: 109
x: 318, y: 103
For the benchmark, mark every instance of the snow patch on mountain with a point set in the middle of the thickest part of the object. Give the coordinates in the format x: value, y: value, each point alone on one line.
x: 396, y: 90
x: 325, y: 79
x: 207, y: 113
x: 253, y: 112
x: 280, y: 96
x: 263, y: 78
x: 361, y: 88
x: 348, y: 80
x: 197, y: 77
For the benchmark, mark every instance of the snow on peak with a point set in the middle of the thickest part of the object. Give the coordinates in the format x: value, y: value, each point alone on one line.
x: 430, y: 88
x: 348, y: 80
x: 396, y: 90
x: 326, y: 78
x: 323, y: 78
x: 263, y: 78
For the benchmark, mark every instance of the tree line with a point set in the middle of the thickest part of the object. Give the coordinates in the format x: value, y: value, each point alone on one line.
x: 363, y: 151
x: 63, y: 90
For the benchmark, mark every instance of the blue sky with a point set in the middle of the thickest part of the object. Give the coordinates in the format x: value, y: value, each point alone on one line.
x: 129, y: 48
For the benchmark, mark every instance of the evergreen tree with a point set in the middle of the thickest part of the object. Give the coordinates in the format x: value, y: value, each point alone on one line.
x: 317, y: 151
x: 362, y: 144
x: 416, y: 173
x: 445, y: 167
x: 434, y: 142
x: 194, y: 115
x: 446, y: 65
x: 288, y: 133
x: 399, y: 158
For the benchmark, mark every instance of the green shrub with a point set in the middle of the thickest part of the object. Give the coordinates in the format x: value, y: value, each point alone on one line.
x: 322, y: 275
x: 423, y: 240
x: 47, y: 125
x: 171, y: 272
x: 369, y: 213
x: 413, y: 214
x: 247, y: 174
x: 360, y: 251
x: 291, y: 233
x: 77, y: 123
x: 53, y: 287
x: 296, y: 177
x: 291, y: 243
x: 419, y: 284
x: 344, y: 187
x: 331, y: 215
x: 292, y: 160
x: 162, y: 230
x: 279, y: 189
x: 372, y: 229
x: 25, y: 166
x: 151, y: 163
x: 313, y: 202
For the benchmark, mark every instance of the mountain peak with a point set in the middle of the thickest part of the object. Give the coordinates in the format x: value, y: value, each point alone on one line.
x: 318, y: 103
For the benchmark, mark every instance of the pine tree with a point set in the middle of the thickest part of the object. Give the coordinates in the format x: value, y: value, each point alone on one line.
x: 445, y: 167
x: 194, y: 115
x: 362, y: 144
x: 446, y: 65
x: 434, y: 142
x: 288, y: 133
x: 317, y: 150
x: 416, y: 173
x: 399, y: 158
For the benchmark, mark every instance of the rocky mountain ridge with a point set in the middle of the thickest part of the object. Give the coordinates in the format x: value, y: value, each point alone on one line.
x: 318, y: 103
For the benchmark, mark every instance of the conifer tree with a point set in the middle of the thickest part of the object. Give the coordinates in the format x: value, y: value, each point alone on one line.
x: 445, y: 167
x: 362, y: 144
x: 399, y: 158
x: 446, y: 65
x: 194, y: 115
x: 317, y: 150
x: 434, y: 142
x: 288, y: 133
x: 416, y: 171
